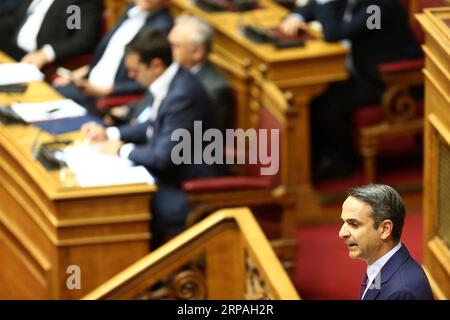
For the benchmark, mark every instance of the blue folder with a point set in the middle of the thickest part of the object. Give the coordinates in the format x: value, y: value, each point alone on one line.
x: 65, y: 125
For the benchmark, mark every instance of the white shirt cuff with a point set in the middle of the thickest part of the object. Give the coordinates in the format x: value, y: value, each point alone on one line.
x: 113, y: 133
x: 49, y: 52
x: 125, y: 150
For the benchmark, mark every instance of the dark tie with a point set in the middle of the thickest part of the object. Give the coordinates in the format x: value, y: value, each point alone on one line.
x: 147, y: 101
x: 363, y: 286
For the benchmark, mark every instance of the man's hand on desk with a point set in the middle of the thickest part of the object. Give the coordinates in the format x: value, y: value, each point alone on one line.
x: 38, y: 58
x: 91, y: 90
x: 292, y: 24
x: 94, y: 132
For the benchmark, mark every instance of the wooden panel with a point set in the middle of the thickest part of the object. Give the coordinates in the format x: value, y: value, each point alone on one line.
x: 226, y: 249
x: 31, y: 278
x: 97, y: 264
x: 437, y: 142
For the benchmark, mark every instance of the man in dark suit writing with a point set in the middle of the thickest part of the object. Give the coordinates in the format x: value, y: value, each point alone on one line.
x: 37, y: 31
x: 175, y: 100
x: 372, y: 222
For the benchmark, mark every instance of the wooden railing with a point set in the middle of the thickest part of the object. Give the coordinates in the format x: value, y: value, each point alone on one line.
x: 225, y: 256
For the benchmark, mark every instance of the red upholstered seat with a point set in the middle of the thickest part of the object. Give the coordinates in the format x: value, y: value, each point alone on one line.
x: 119, y: 100
x: 251, y: 177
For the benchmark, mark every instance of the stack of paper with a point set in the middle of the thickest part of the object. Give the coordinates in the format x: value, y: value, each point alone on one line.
x: 93, y: 169
x: 15, y: 73
x: 50, y: 110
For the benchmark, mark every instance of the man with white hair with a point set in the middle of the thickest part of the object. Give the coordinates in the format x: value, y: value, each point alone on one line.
x: 191, y: 40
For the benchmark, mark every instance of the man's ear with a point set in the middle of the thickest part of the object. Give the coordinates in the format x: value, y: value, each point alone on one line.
x: 199, y: 53
x: 386, y: 227
x: 158, y: 64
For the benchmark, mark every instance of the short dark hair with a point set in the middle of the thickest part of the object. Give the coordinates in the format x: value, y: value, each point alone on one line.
x: 149, y: 44
x: 385, y: 204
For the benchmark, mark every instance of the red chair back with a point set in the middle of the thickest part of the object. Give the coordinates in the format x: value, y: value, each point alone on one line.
x: 267, y: 122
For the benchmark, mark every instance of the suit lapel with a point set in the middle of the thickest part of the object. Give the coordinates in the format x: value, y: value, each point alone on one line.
x: 155, y: 124
x: 22, y: 17
x: 372, y: 293
x: 386, y: 273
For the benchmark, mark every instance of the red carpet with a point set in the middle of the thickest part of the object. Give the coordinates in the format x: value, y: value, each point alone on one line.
x: 324, y: 270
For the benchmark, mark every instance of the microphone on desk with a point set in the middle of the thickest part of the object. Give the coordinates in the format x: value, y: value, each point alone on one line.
x: 8, y: 116
x: 49, y: 154
x: 34, y: 146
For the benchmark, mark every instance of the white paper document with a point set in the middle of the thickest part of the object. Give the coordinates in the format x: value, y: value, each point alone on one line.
x: 49, y: 110
x: 94, y: 169
x: 15, y: 73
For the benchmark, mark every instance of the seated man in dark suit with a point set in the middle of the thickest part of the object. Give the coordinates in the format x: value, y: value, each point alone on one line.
x: 38, y: 32
x: 107, y: 74
x: 372, y: 222
x: 331, y: 133
x: 175, y: 100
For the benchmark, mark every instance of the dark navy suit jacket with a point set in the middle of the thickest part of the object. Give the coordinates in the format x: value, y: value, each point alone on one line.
x: 160, y: 20
x: 186, y: 102
x: 218, y: 91
x: 370, y: 47
x: 402, y: 278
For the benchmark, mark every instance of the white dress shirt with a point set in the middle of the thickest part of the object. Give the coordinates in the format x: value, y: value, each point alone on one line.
x: 159, y: 89
x: 374, y: 269
x: 104, y: 72
x: 27, y: 36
